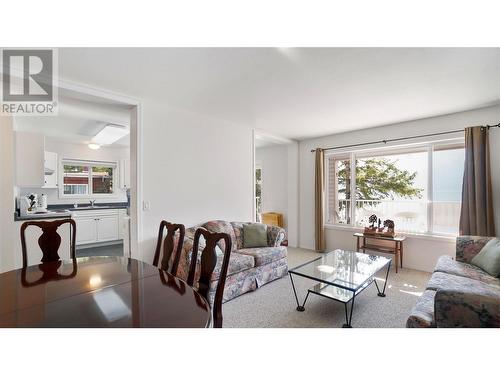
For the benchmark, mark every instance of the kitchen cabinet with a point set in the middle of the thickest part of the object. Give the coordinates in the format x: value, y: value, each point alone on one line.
x: 50, y: 169
x: 29, y: 159
x: 35, y: 167
x: 107, y: 228
x: 86, y: 230
x: 125, y: 173
x: 94, y: 226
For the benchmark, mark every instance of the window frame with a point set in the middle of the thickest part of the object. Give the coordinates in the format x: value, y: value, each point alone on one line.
x: 88, y: 163
x: 257, y: 215
x: 354, y: 153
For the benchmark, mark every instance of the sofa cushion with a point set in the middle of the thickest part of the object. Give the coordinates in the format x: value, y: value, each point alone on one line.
x: 238, y: 232
x: 446, y: 281
x: 447, y: 265
x: 237, y: 263
x: 254, y: 235
x: 422, y: 315
x: 488, y: 259
x: 221, y: 226
x: 265, y: 255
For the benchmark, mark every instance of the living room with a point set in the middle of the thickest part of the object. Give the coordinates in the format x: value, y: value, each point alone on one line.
x: 334, y: 185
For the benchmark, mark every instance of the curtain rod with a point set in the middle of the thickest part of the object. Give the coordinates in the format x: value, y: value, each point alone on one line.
x: 402, y: 139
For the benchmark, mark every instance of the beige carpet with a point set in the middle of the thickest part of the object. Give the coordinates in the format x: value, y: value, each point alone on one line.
x: 273, y: 305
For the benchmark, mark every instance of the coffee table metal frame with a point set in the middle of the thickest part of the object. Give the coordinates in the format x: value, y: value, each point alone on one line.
x: 319, y: 288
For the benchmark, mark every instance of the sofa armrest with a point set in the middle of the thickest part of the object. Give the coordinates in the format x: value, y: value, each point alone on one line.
x: 454, y: 308
x: 275, y: 235
x: 469, y: 246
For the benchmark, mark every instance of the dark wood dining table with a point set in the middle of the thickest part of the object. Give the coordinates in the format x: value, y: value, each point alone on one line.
x: 97, y: 292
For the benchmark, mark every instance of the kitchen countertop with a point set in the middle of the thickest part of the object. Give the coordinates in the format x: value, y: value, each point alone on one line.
x: 60, y: 211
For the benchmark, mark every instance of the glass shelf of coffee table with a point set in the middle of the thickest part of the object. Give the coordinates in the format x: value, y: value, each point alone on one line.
x: 342, y: 275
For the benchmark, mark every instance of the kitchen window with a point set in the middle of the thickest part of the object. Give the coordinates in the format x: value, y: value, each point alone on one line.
x: 82, y: 178
x: 418, y: 187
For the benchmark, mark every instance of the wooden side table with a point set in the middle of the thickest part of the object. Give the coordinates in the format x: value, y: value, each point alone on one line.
x: 396, y: 247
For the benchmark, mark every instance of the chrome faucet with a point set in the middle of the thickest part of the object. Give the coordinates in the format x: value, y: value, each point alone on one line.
x: 92, y: 203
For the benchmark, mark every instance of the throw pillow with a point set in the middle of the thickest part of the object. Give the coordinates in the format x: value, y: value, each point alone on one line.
x: 254, y: 235
x: 488, y: 259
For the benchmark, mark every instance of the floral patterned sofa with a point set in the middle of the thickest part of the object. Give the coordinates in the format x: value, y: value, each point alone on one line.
x: 249, y: 268
x: 459, y: 294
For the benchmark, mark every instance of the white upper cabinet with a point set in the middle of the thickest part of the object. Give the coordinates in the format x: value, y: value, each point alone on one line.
x: 35, y: 167
x: 125, y: 173
x: 50, y: 170
x: 29, y: 152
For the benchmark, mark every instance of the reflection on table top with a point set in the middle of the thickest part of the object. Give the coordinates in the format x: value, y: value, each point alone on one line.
x: 99, y: 292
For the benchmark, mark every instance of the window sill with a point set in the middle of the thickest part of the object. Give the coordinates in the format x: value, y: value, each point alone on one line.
x: 426, y: 236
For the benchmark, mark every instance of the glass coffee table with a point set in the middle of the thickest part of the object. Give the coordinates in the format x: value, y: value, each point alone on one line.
x: 342, y: 275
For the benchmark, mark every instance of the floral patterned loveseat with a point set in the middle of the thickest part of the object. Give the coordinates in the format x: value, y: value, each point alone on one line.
x: 249, y: 268
x: 459, y: 294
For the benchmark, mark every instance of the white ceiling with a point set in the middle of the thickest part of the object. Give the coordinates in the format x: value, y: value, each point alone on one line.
x: 297, y: 92
x: 78, y: 121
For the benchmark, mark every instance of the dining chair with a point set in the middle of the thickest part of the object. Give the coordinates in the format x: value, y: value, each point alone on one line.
x: 49, y: 273
x: 50, y: 240
x: 168, y: 246
x: 208, y: 262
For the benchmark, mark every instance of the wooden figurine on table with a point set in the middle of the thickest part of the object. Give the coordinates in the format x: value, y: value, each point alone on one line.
x: 372, y: 229
x: 389, y: 224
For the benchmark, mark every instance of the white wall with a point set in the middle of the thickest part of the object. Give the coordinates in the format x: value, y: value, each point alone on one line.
x: 194, y: 169
x: 293, y: 194
x: 280, y: 184
x: 274, y: 163
x: 7, y: 235
x: 420, y: 254
x: 64, y: 149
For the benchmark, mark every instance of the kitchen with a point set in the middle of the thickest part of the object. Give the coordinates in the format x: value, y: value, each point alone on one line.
x: 75, y: 165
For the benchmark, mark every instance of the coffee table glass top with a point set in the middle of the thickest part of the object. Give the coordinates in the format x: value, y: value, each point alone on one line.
x: 345, y: 269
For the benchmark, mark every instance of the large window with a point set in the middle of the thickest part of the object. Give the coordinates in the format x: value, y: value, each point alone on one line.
x: 418, y: 187
x: 87, y: 179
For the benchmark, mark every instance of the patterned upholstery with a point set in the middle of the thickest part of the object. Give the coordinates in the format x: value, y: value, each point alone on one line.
x: 221, y: 226
x: 469, y: 246
x: 458, y: 293
x: 248, y: 268
x: 265, y: 255
x: 422, y: 315
x: 275, y: 235
x: 271, y: 271
x: 447, y: 265
x: 456, y: 308
x: 445, y: 281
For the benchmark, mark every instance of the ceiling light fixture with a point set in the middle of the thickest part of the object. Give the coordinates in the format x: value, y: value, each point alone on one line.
x: 110, y: 134
x: 94, y: 146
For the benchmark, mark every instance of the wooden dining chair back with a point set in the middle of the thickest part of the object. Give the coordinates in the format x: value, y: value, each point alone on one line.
x: 168, y: 246
x: 208, y: 262
x: 50, y: 240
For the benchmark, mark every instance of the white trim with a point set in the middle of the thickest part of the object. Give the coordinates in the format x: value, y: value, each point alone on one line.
x: 352, y: 192
x: 136, y: 232
x: 426, y: 146
x: 254, y: 167
x: 88, y: 163
x: 430, y: 188
x: 423, y: 236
